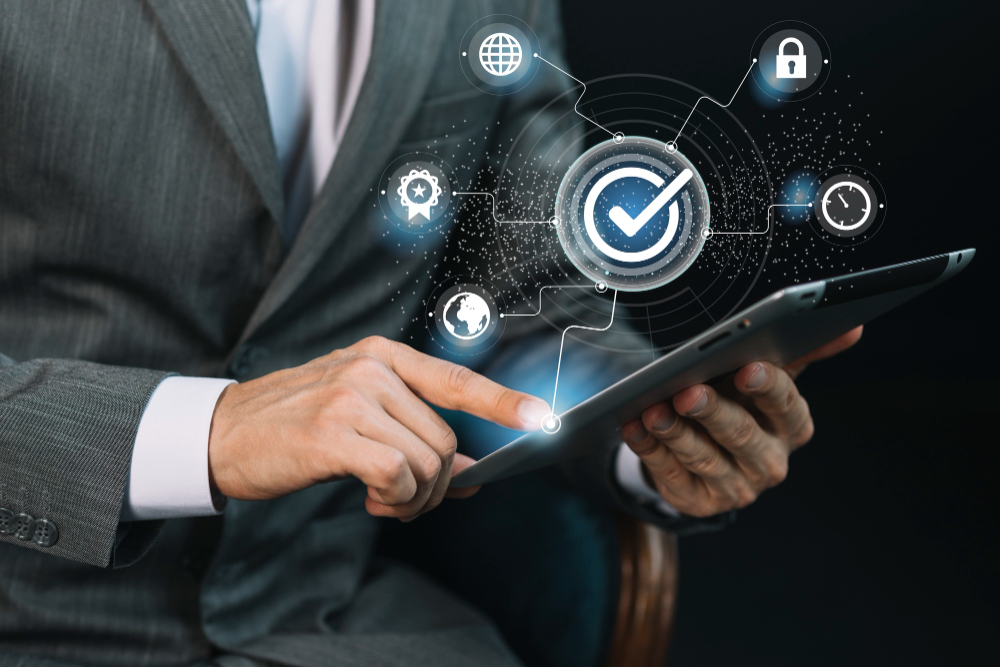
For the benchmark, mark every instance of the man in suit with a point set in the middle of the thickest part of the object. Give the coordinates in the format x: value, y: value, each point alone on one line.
x: 172, y: 219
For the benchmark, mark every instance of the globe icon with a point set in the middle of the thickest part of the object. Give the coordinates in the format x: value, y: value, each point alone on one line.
x: 466, y: 316
x: 500, y: 54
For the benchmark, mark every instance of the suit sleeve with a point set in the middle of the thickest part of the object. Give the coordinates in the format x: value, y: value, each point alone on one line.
x: 541, y: 116
x: 67, y: 429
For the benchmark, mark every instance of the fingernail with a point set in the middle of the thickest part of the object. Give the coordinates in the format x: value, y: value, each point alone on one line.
x: 531, y: 412
x: 757, y: 378
x: 700, y: 404
x: 637, y: 436
x: 665, y: 420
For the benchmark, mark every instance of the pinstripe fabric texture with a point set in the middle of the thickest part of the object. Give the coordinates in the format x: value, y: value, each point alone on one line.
x: 80, y: 420
x: 140, y: 203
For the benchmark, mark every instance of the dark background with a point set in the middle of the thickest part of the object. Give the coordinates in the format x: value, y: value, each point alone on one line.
x: 882, y: 544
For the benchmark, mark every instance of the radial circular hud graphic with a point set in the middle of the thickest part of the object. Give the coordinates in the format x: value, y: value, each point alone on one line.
x: 497, y: 54
x: 464, y: 316
x: 632, y: 215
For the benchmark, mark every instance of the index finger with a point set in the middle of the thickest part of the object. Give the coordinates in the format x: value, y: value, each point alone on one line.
x: 456, y: 387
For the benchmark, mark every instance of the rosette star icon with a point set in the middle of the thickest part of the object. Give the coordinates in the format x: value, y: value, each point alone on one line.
x: 418, y: 191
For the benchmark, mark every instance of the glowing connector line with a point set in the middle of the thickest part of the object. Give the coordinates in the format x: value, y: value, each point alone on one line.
x: 766, y: 230
x: 601, y: 288
x: 551, y: 221
x: 587, y: 118
x: 562, y: 344
x: 710, y: 99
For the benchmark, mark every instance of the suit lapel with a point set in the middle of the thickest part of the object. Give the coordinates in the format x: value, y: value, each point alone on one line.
x: 406, y: 46
x: 214, y: 42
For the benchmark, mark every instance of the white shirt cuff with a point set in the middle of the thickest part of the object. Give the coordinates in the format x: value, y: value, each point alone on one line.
x: 168, y: 478
x: 628, y: 472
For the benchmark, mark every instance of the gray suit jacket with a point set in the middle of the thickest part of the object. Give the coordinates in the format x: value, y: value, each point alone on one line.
x: 140, y: 204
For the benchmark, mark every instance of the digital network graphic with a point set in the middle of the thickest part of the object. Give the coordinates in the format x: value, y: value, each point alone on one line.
x: 662, y: 203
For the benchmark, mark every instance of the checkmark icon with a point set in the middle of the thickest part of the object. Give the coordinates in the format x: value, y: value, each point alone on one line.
x: 630, y: 225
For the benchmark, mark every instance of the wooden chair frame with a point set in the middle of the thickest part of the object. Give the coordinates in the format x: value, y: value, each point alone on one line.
x: 647, y: 598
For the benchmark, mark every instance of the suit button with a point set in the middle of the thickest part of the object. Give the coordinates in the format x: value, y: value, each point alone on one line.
x: 245, y: 358
x: 24, y: 526
x: 6, y: 521
x: 46, y: 534
x: 241, y: 361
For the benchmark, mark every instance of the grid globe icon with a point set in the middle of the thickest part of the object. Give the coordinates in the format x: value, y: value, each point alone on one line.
x: 500, y: 54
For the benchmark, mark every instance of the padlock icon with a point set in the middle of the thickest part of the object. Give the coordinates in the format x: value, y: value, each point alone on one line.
x: 791, y: 67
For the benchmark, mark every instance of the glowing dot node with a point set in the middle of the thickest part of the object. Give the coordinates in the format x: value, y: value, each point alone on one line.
x: 619, y: 137
x: 551, y: 423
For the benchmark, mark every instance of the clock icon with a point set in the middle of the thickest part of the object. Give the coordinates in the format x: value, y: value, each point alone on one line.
x: 846, y: 205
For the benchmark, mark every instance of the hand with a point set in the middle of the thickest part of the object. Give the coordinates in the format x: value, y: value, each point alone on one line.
x: 715, y: 449
x: 356, y: 412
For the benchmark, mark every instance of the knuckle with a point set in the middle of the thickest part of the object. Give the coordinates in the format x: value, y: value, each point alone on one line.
x: 646, y: 447
x: 786, y: 403
x: 741, y: 433
x: 373, y: 343
x: 428, y: 466
x: 447, y: 444
x: 744, y: 496
x: 708, y: 461
x: 776, y: 470
x: 504, y: 402
x: 365, y: 365
x: 342, y: 396
x: 672, y: 473
x: 457, y: 379
x: 805, y: 432
x: 392, y: 468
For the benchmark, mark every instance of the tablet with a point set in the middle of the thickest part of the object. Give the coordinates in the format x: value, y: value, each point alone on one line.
x: 780, y: 328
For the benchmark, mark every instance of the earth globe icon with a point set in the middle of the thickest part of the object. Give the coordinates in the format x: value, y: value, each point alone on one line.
x: 466, y: 316
x: 500, y: 54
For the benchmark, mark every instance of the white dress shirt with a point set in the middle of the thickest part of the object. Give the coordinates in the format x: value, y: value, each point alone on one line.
x: 311, y: 83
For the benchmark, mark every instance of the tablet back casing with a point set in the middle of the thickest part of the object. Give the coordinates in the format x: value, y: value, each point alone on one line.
x: 780, y: 328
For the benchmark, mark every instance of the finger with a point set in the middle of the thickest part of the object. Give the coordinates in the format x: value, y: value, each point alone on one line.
x: 674, y: 482
x: 385, y: 470
x: 456, y: 387
x: 403, y: 405
x: 695, y: 450
x: 774, y: 393
x: 425, y: 463
x: 461, y: 463
x: 835, y: 346
x: 732, y: 427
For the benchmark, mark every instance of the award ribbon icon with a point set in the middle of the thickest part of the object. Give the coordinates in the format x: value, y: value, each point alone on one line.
x: 433, y: 190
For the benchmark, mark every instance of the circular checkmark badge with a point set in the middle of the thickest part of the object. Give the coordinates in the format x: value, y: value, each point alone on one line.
x: 631, y: 214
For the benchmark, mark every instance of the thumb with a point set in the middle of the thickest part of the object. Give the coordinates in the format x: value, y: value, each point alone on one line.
x: 461, y: 463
